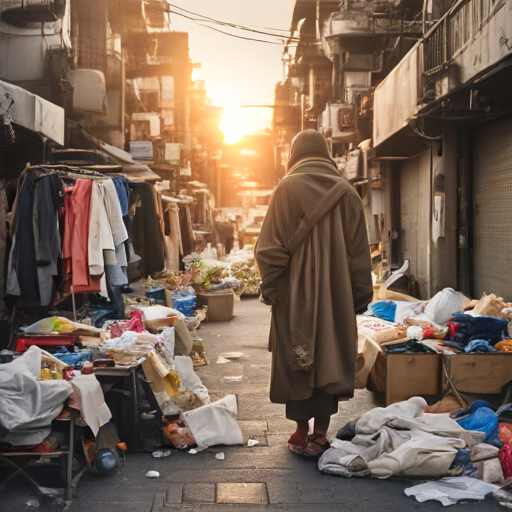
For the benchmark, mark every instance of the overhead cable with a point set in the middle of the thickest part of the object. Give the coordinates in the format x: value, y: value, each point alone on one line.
x: 227, y: 33
x: 226, y: 22
x: 207, y: 19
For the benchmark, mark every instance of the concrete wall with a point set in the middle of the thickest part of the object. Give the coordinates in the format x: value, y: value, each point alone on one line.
x: 428, y: 204
x: 415, y: 193
x: 443, y: 250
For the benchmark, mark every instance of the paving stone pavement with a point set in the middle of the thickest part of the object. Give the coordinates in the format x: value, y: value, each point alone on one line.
x: 265, y: 477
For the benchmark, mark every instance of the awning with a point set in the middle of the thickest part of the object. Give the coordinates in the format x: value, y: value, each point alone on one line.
x: 32, y: 112
x: 396, y: 97
x: 132, y: 169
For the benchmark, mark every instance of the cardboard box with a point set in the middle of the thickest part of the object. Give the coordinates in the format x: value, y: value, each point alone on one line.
x: 154, y: 326
x: 221, y: 305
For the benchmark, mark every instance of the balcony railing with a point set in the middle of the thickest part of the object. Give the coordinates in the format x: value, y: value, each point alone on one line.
x: 435, y: 47
x: 456, y: 30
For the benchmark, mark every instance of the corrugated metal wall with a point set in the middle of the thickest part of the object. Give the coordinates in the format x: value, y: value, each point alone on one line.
x: 492, y: 209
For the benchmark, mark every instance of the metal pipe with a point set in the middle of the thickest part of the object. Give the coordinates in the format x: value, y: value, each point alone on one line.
x: 425, y: 5
x: 312, y: 89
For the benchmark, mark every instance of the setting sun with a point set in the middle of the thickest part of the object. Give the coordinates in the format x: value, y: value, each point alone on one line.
x: 233, y: 124
x: 238, y: 121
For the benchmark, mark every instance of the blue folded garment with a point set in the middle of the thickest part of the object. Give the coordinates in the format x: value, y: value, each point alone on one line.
x: 485, y: 328
x: 385, y: 309
x: 463, y: 459
x: 479, y: 346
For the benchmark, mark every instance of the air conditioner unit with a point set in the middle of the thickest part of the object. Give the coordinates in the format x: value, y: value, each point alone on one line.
x: 145, y: 125
x: 358, y: 78
x: 89, y: 91
x: 21, y: 13
x: 339, y: 123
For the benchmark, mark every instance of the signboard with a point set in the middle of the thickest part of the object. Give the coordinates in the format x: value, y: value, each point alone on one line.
x: 172, y: 153
x: 141, y: 150
x: 186, y: 171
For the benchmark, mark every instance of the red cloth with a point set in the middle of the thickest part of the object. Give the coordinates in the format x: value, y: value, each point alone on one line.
x: 77, y: 203
x: 506, y: 460
x: 428, y: 333
x: 452, y: 330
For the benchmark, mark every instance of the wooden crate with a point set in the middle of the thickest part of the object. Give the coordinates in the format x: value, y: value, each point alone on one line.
x: 484, y: 374
x: 402, y: 376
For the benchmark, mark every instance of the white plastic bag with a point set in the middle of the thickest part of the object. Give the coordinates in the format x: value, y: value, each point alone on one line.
x: 215, y: 423
x: 444, y: 304
x: 168, y: 339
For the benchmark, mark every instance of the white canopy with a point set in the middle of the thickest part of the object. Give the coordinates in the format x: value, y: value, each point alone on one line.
x: 32, y: 112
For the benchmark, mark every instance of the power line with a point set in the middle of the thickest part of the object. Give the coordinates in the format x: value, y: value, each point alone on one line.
x: 225, y: 22
x: 286, y: 38
x: 237, y: 26
x: 226, y: 33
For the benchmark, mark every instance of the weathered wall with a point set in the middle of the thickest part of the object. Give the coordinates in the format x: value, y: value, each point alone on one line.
x: 415, y: 217
x: 443, y: 250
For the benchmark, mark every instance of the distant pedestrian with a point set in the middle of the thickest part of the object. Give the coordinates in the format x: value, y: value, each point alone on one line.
x: 314, y: 259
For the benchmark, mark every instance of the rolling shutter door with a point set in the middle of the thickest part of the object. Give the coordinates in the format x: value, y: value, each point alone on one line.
x: 492, y: 209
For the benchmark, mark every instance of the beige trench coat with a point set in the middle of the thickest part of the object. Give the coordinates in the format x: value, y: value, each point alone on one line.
x: 314, y: 259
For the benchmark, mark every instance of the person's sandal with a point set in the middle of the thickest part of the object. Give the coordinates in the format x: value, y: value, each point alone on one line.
x: 316, y: 445
x: 296, y: 448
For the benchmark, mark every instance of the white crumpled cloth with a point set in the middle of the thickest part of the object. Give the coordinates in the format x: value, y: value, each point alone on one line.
x: 27, y: 405
x: 89, y: 399
x: 451, y: 490
x: 190, y: 380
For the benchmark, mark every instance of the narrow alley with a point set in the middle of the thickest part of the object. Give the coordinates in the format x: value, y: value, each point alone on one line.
x: 254, y: 255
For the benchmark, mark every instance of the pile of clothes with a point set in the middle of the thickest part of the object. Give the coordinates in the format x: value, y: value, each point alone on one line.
x: 401, y: 439
x: 469, y: 449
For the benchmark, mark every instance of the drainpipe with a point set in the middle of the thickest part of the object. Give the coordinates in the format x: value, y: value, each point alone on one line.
x: 302, y: 110
x: 425, y: 7
x: 312, y: 89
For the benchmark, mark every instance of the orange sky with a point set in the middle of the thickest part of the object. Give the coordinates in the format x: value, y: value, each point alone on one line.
x: 237, y: 72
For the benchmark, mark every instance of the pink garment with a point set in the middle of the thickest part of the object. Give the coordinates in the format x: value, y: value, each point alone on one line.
x: 134, y: 324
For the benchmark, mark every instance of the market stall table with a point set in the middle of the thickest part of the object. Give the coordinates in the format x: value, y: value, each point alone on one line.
x: 121, y: 382
x: 22, y: 460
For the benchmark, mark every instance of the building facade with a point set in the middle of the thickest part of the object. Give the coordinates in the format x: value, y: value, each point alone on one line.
x: 97, y: 75
x: 418, y: 118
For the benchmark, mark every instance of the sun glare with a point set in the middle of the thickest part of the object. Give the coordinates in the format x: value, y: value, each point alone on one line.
x: 232, y: 124
x: 239, y: 121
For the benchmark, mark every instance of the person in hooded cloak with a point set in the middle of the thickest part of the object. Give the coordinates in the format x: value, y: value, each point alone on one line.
x: 314, y: 258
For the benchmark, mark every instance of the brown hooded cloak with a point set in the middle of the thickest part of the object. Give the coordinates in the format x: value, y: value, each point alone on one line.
x: 314, y: 259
